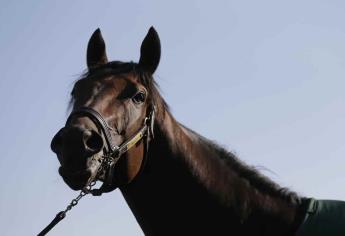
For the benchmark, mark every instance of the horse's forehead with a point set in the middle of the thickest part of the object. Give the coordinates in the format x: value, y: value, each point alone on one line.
x: 121, y: 80
x: 120, y: 86
x: 113, y: 84
x: 93, y: 91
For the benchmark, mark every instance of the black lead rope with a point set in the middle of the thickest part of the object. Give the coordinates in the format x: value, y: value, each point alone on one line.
x: 60, y: 216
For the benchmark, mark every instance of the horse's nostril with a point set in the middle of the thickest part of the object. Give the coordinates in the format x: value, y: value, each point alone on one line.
x: 57, y: 141
x: 93, y: 141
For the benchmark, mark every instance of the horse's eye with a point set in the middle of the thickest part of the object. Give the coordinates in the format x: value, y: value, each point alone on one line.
x: 139, y: 97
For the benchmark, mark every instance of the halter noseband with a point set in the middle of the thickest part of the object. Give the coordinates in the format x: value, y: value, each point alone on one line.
x: 112, y: 153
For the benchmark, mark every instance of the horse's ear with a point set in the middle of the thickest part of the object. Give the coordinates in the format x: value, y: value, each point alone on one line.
x: 96, y: 54
x: 150, y: 51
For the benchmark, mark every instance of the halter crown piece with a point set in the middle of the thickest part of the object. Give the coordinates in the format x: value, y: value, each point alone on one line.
x: 110, y: 157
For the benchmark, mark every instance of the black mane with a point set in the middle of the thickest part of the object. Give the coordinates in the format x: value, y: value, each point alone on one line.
x: 250, y: 173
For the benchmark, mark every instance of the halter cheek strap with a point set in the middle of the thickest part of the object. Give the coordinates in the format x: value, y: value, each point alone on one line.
x: 108, y: 184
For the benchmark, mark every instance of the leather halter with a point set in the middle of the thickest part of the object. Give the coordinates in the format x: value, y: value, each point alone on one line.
x: 110, y: 157
x: 112, y: 153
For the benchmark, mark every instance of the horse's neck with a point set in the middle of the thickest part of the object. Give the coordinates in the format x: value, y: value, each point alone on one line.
x: 186, y: 175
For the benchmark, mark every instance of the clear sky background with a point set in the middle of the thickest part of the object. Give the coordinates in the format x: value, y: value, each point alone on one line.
x: 266, y: 79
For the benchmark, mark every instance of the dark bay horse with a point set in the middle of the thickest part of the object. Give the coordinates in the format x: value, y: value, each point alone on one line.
x: 175, y: 181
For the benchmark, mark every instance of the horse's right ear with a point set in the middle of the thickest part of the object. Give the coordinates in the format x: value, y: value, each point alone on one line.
x: 96, y: 54
x: 150, y: 51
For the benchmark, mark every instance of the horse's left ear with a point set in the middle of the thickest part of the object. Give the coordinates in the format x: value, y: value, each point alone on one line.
x: 150, y: 51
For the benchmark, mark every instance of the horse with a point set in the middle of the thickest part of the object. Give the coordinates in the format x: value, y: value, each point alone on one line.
x: 175, y: 181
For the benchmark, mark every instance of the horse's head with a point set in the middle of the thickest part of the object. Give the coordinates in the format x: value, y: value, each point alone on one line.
x: 112, y: 115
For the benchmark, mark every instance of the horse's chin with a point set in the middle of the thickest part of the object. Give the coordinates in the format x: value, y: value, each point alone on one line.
x: 80, y: 179
x: 76, y: 180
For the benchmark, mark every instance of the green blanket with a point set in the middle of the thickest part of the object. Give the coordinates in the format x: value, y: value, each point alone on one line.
x: 324, y: 218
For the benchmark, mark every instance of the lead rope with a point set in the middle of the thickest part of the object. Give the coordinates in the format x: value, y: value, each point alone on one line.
x: 62, y: 214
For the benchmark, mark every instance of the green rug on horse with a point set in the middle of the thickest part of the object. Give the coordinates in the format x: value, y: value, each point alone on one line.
x: 324, y: 218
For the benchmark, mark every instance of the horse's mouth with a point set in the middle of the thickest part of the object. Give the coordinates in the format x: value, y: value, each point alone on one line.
x: 76, y: 180
x: 80, y: 179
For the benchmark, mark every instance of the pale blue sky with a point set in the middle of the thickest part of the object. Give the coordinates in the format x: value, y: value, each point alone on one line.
x: 263, y: 78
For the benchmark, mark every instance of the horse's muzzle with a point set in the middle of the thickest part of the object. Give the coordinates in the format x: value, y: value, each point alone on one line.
x: 77, y: 149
